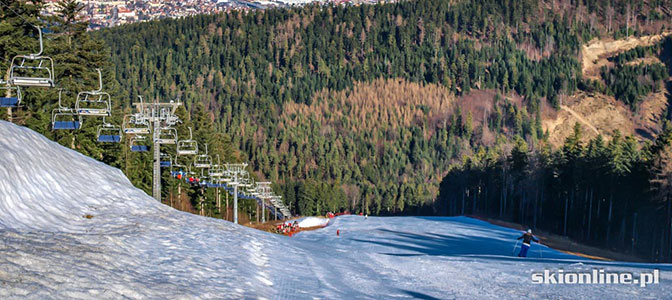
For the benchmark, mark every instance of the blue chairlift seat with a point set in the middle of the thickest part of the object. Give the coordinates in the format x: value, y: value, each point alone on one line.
x: 9, y: 101
x: 66, y: 125
x: 109, y: 138
x: 139, y: 148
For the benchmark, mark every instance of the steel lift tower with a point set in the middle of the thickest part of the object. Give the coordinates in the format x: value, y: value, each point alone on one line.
x: 161, y: 116
x: 235, y: 171
x: 265, y: 192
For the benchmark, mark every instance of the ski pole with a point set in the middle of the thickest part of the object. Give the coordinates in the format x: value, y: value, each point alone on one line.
x: 514, y: 247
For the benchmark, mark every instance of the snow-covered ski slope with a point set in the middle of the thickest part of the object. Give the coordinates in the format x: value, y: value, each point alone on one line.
x: 133, y: 247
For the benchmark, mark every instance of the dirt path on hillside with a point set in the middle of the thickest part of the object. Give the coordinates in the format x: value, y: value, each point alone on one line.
x: 580, y: 118
x: 595, y: 53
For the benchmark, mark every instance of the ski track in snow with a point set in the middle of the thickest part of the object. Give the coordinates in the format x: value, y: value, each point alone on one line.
x: 135, y: 248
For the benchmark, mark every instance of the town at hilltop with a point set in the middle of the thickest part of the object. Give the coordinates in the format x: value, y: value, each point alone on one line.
x: 108, y: 13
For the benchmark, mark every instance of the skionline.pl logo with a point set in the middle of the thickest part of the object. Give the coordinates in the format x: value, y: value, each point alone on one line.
x: 596, y: 276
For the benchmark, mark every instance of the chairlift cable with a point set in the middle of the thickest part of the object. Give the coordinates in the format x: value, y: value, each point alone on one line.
x: 18, y: 14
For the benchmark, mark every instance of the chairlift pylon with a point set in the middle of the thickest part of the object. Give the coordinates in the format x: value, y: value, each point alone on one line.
x: 32, y: 69
x: 188, y: 146
x: 63, y: 117
x: 109, y: 133
x: 95, y: 102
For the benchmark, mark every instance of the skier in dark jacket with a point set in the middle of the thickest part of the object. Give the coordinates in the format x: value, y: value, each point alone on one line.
x: 527, y: 238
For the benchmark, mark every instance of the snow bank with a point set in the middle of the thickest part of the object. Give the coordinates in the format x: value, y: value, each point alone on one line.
x: 46, y: 187
x: 306, y: 222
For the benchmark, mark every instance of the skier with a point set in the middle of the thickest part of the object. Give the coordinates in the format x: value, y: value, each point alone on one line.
x: 527, y: 238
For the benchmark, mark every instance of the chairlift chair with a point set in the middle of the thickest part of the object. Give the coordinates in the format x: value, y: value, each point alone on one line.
x: 217, y: 170
x: 204, y: 179
x: 178, y: 165
x: 109, y: 133
x: 138, y: 143
x: 94, y: 103
x: 226, y: 178
x: 166, y: 161
x: 188, y: 146
x: 167, y: 135
x: 246, y: 181
x: 190, y: 176
x: 172, y: 120
x: 203, y: 160
x: 10, y: 96
x: 64, y: 118
x: 135, y: 124
x: 167, y: 115
x: 32, y: 69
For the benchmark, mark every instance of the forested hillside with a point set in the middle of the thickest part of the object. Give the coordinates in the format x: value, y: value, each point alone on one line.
x: 289, y: 86
x: 415, y: 107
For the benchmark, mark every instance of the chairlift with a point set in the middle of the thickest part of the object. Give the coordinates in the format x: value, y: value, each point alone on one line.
x: 177, y: 174
x: 177, y: 164
x: 246, y: 181
x: 32, y: 69
x: 188, y: 146
x: 204, y: 180
x: 109, y: 133
x: 10, y: 96
x: 216, y: 170
x: 64, y: 118
x: 167, y: 135
x: 165, y: 160
x: 226, y: 179
x: 180, y: 167
x: 190, y: 176
x: 203, y: 160
x: 139, y: 143
x: 135, y: 124
x: 94, y: 103
x: 167, y: 115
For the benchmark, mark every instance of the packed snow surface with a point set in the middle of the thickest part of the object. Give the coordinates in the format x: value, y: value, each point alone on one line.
x: 307, y: 222
x: 74, y: 228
